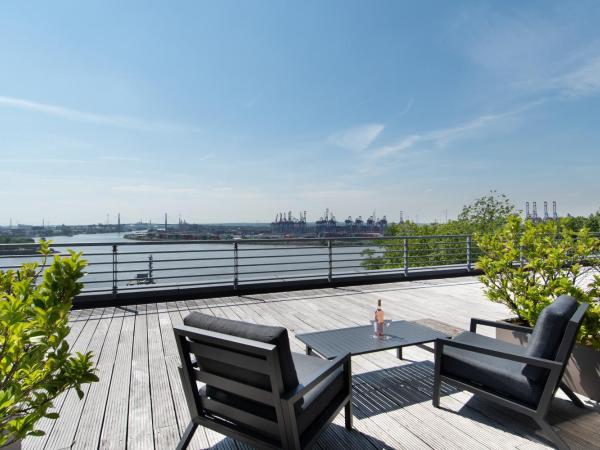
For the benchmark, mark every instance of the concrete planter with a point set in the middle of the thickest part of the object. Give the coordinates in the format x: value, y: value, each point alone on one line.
x: 583, y: 371
x: 13, y: 446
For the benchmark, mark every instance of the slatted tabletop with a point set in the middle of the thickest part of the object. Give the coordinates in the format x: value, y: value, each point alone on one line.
x: 361, y: 340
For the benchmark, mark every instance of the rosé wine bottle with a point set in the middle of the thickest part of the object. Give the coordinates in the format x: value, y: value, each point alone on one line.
x: 379, y: 322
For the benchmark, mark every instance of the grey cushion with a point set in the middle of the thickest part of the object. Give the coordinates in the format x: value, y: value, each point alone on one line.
x: 502, y: 376
x: 321, y: 396
x: 548, y: 333
x: 277, y: 336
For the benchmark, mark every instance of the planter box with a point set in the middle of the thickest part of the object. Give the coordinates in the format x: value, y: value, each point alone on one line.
x: 13, y: 446
x: 583, y: 371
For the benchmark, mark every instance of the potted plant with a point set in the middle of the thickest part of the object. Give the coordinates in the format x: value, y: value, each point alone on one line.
x: 35, y: 362
x: 527, y: 265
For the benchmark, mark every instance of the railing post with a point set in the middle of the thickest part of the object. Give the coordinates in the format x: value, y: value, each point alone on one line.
x: 469, y: 253
x: 330, y: 253
x: 406, y: 257
x: 236, y: 273
x: 115, y: 270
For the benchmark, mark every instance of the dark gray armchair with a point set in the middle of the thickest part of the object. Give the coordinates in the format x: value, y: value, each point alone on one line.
x: 524, y: 379
x: 256, y: 390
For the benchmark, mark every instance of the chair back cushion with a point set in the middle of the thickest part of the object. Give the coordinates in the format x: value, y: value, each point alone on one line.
x: 548, y: 334
x: 277, y: 336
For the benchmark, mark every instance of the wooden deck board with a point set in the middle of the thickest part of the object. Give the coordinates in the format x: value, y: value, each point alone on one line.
x: 114, y: 429
x: 90, y: 425
x: 139, y: 402
x: 140, y: 432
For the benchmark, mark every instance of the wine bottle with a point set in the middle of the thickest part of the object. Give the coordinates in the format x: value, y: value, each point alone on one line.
x: 379, y: 319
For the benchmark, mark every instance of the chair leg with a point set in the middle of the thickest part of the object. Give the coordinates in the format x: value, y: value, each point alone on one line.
x: 576, y: 400
x: 552, y: 434
x: 348, y: 415
x: 437, y: 385
x: 187, y: 436
x: 437, y: 381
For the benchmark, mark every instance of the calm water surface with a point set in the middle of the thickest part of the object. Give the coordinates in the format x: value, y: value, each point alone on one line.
x: 193, y: 264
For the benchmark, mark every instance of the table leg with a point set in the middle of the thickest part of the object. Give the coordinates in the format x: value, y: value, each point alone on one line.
x: 308, y: 350
x: 399, y: 352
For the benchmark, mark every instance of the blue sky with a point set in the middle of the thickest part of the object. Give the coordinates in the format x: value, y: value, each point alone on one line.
x: 232, y: 111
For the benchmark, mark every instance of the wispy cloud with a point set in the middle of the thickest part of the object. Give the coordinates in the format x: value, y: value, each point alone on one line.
x: 581, y: 81
x: 444, y: 136
x: 155, y: 189
x: 83, y: 116
x: 206, y: 157
x: 408, y: 107
x: 357, y: 138
x: 44, y: 161
x: 120, y: 158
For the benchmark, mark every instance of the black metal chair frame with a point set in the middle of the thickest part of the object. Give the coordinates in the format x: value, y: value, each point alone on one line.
x: 556, y: 369
x: 259, y: 357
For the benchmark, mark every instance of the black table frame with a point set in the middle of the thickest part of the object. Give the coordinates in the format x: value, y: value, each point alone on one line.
x: 399, y: 332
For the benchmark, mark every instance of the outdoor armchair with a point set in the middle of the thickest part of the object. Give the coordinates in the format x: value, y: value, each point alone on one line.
x: 523, y: 379
x: 255, y: 389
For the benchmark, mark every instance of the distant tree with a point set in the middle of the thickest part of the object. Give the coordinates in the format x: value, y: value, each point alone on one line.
x: 576, y: 223
x: 488, y: 212
x: 594, y: 222
x: 485, y: 214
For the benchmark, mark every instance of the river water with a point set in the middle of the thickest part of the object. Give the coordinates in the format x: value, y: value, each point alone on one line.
x: 184, y: 264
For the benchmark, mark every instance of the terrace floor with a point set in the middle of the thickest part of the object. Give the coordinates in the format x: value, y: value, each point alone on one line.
x: 139, y: 403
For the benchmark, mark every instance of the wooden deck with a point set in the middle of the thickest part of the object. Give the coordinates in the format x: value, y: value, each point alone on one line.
x: 139, y: 403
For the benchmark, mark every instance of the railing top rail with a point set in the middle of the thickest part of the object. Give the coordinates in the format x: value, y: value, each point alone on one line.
x: 231, y: 241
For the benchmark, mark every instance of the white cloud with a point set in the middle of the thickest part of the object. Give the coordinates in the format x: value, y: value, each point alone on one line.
x: 357, y: 138
x: 206, y: 157
x: 82, y: 116
x: 155, y: 189
x: 399, y: 146
x: 45, y: 161
x: 579, y: 82
x: 444, y: 136
x: 408, y: 107
x: 120, y: 158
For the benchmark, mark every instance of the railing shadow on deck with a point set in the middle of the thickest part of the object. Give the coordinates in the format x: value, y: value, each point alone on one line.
x: 336, y: 437
x: 387, y: 390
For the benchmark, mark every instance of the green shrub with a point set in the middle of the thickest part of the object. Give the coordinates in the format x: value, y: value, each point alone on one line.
x: 35, y: 362
x: 526, y: 266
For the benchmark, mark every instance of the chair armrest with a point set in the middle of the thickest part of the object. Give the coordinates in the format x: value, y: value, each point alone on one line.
x: 503, y: 325
x: 539, y: 362
x: 301, y: 390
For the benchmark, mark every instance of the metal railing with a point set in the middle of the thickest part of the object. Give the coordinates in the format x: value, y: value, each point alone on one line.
x: 119, y: 267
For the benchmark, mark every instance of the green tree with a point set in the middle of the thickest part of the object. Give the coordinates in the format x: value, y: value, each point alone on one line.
x: 527, y: 266
x: 485, y: 213
x: 592, y: 222
x: 35, y: 362
x: 488, y: 212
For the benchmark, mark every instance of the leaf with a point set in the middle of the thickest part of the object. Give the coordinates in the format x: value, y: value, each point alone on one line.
x: 36, y: 433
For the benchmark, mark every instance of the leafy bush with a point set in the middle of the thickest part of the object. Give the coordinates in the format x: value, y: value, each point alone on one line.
x: 35, y: 362
x: 527, y: 265
x: 485, y: 213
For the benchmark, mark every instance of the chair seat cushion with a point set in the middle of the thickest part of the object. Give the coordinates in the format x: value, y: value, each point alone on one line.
x: 548, y: 333
x: 491, y: 373
x: 321, y: 396
x: 277, y: 336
